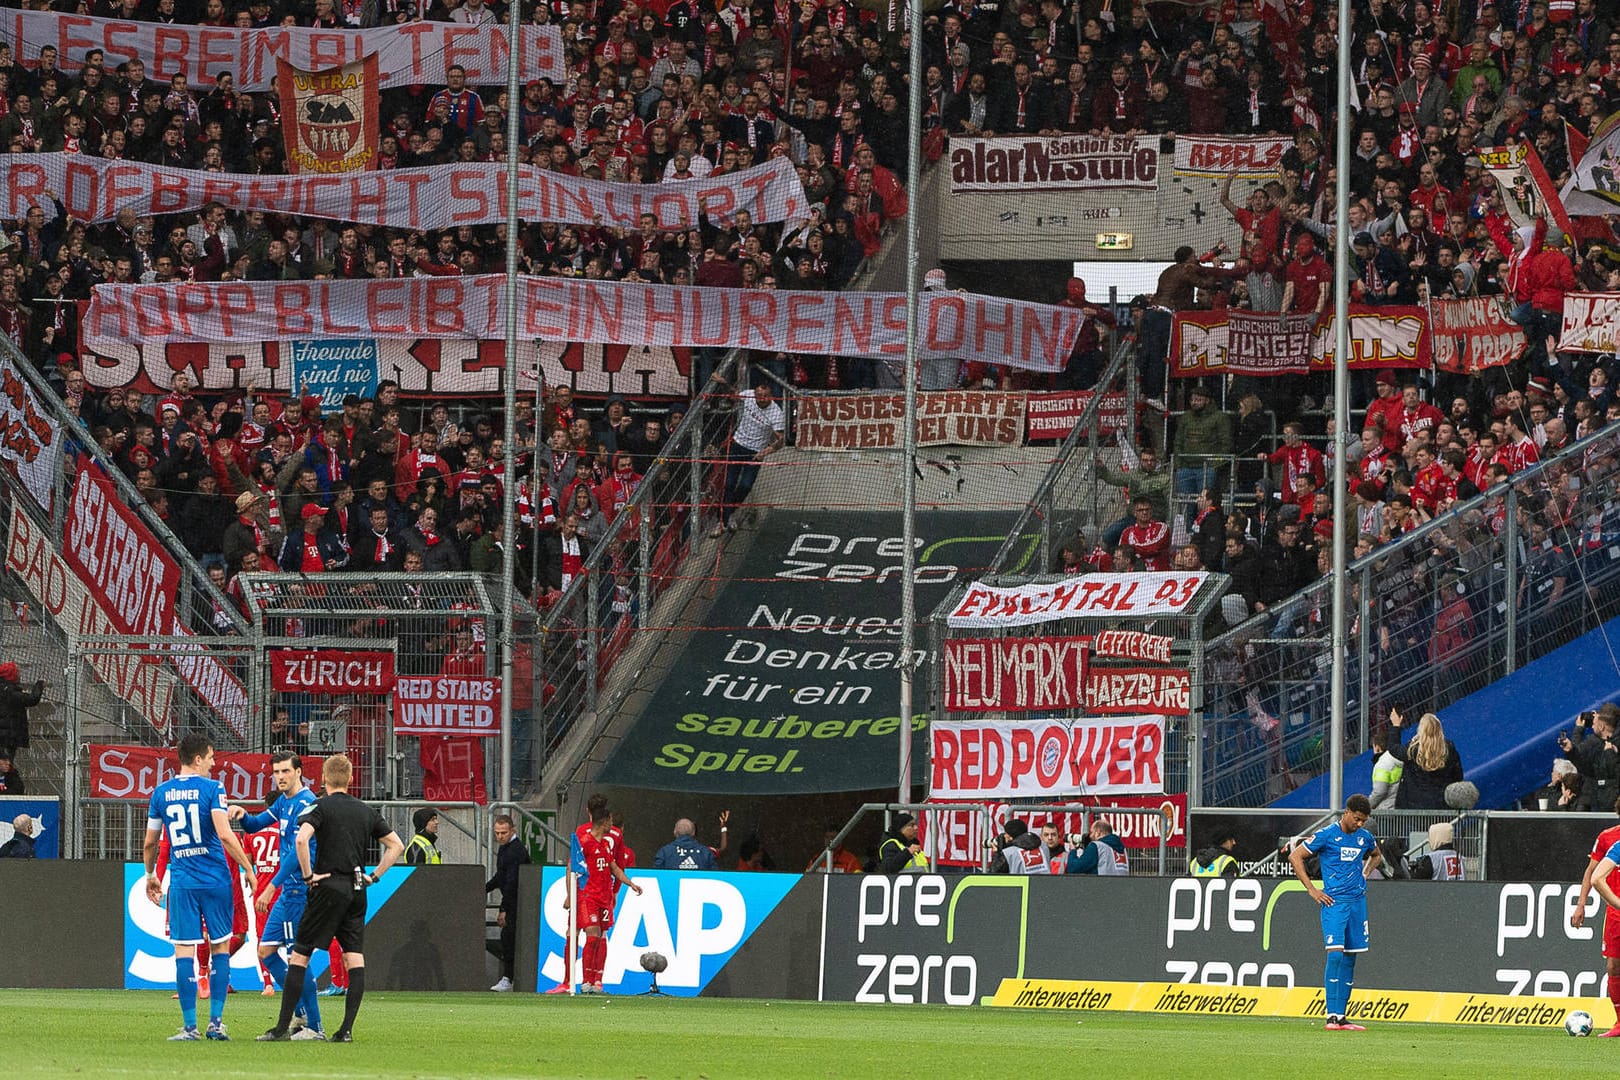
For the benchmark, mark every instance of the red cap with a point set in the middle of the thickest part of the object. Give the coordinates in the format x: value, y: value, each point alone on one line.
x: 311, y: 403
x: 312, y: 510
x: 1387, y: 376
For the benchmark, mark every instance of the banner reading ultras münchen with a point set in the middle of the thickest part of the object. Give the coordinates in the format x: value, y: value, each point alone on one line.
x: 330, y: 118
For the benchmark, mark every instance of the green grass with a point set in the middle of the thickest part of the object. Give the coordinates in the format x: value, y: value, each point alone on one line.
x: 64, y: 1033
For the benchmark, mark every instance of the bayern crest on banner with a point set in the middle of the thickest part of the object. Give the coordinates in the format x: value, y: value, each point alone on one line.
x: 329, y: 118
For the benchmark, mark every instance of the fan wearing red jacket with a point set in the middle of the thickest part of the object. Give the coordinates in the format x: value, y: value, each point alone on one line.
x: 1148, y: 540
x: 1387, y: 408
x: 1520, y: 452
x: 1296, y: 457
x: 1417, y: 416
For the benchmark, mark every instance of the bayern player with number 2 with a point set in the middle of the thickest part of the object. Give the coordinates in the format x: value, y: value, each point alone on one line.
x: 1348, y: 853
x: 190, y: 810
x: 595, y: 915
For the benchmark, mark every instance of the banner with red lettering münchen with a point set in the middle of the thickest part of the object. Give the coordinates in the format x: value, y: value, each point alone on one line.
x: 1037, y: 759
x: 966, y: 326
x: 330, y: 119
x: 1024, y: 163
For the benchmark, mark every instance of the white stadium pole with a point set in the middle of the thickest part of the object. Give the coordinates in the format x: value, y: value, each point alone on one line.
x: 908, y: 533
x: 507, y: 592
x: 1341, y: 412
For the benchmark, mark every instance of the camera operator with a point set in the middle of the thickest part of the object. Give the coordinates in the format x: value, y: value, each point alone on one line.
x: 1593, y: 749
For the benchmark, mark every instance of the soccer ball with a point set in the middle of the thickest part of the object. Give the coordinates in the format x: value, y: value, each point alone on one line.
x: 1578, y: 1023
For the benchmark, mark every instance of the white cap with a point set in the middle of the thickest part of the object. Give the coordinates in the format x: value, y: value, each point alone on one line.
x: 934, y: 279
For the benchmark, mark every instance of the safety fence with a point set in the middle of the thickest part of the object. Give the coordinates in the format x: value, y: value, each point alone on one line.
x: 1451, y: 606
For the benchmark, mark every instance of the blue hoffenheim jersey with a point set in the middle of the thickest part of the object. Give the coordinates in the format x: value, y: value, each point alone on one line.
x: 184, y: 809
x: 286, y: 814
x: 1342, y: 854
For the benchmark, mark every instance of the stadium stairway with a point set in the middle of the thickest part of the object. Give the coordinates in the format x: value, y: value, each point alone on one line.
x: 1506, y: 733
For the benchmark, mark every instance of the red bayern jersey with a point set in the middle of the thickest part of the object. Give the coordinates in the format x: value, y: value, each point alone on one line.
x: 264, y: 848
x: 1600, y: 848
x: 599, y: 858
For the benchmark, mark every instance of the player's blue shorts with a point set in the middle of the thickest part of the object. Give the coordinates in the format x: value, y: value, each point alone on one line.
x: 281, y: 924
x: 1344, y: 925
x: 191, y: 909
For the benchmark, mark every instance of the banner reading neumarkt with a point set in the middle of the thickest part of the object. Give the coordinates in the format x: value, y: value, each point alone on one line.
x: 329, y: 118
x: 793, y: 685
x: 1026, y: 163
x: 1236, y: 342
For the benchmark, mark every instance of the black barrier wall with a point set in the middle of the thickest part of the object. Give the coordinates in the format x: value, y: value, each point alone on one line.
x: 50, y: 913
x: 63, y: 925
x: 929, y: 938
x: 1541, y: 847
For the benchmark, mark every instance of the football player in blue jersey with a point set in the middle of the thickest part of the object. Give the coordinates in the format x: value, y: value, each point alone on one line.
x: 190, y: 809
x: 1347, y: 852
x: 287, y: 770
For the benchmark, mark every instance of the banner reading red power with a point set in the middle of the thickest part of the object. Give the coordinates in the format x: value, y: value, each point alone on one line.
x: 1010, y: 674
x: 331, y: 671
x: 131, y: 772
x: 447, y: 705
x: 1024, y: 759
x: 329, y: 118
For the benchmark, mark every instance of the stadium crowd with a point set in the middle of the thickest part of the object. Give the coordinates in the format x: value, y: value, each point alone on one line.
x: 252, y: 480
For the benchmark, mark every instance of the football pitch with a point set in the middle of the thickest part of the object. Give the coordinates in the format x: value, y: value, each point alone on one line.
x: 65, y: 1033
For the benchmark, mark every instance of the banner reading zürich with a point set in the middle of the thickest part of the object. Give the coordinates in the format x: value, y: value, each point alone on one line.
x: 795, y: 687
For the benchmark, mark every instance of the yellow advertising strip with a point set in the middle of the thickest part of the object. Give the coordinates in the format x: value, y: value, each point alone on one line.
x: 1303, y: 1002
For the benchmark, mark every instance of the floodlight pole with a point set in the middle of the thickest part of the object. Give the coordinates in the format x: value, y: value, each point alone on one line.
x: 507, y: 591
x: 1341, y: 413
x: 908, y: 464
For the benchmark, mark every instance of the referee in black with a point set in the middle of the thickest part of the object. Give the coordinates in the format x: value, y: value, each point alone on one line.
x: 342, y: 828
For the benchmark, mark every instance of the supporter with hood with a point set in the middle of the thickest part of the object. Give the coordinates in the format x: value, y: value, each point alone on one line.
x: 1020, y: 851
x: 1218, y: 860
x: 1086, y: 362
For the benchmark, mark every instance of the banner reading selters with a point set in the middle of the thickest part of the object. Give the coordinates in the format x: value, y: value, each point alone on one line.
x: 1238, y: 342
x: 1116, y: 595
x: 1034, y: 759
x: 95, y: 189
x: 409, y: 54
x: 791, y: 682
x: 1016, y: 333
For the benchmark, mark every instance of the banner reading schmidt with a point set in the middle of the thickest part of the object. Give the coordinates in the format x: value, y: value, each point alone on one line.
x: 796, y: 686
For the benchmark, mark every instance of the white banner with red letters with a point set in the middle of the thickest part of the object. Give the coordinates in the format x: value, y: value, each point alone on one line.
x: 1591, y: 322
x: 850, y: 422
x: 1117, y: 595
x: 955, y: 837
x: 131, y: 772
x: 1037, y: 759
x: 1015, y: 674
x: 1023, y: 163
x: 331, y: 671
x: 408, y: 54
x: 135, y: 581
x: 95, y: 189
x: 1122, y: 690
x: 447, y: 705
x: 1239, y: 342
x: 1016, y: 333
x: 1053, y: 415
x: 1241, y: 157
x: 134, y: 678
x: 1132, y: 645
x: 1473, y: 334
x: 30, y: 439
x: 422, y: 368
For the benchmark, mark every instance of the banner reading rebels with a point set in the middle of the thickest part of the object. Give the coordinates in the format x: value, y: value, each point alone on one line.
x: 447, y: 705
x: 330, y: 118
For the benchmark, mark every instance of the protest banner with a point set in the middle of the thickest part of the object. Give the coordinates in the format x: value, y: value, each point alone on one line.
x: 408, y: 54
x: 1053, y: 415
x: 849, y: 422
x: 428, y: 197
x: 1015, y: 333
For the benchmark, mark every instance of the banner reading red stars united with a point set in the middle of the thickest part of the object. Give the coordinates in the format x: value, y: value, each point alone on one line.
x: 330, y: 118
x: 1034, y: 337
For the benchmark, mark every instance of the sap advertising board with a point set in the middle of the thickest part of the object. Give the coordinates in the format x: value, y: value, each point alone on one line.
x: 931, y: 938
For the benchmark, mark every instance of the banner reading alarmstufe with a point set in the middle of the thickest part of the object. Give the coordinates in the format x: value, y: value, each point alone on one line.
x: 430, y: 197
x: 1025, y: 163
x: 408, y: 54
x: 1035, y: 337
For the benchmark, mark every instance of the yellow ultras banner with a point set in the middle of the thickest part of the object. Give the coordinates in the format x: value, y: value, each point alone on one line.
x: 1305, y: 1002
